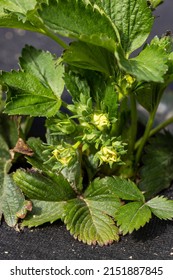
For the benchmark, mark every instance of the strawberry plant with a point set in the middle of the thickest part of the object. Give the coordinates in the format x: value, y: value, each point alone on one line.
x: 101, y: 170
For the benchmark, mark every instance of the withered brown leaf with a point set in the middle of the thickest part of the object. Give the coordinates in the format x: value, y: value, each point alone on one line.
x: 22, y: 148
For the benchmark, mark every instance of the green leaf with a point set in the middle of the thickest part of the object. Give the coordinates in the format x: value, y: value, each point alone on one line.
x: 122, y: 188
x: 165, y: 42
x: 88, y: 224
x: 76, y: 84
x: 90, y: 57
x: 110, y: 102
x: 88, y: 217
x: 132, y: 216
x: 85, y: 22
x: 28, y: 96
x: 44, y: 67
x: 40, y: 159
x: 45, y: 76
x: 150, y: 65
x: 133, y: 19
x: 13, y: 13
x: 101, y: 194
x: 43, y: 212
x: 4, y: 158
x: 169, y: 74
x: 125, y: 189
x: 19, y: 6
x: 40, y: 187
x: 11, y: 198
x: 161, y: 207
x: 157, y: 171
x: 149, y: 95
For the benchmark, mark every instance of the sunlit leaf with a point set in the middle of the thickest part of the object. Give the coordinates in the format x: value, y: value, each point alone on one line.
x: 43, y: 212
x: 132, y: 216
x: 40, y: 187
x: 87, y: 56
x: 86, y: 22
x: 89, y: 217
x: 133, y: 20
x: 161, y: 207
x: 150, y: 65
x: 36, y: 91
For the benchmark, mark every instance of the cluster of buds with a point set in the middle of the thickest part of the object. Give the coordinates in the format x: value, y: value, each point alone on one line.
x: 111, y: 154
x: 65, y: 153
x: 130, y: 80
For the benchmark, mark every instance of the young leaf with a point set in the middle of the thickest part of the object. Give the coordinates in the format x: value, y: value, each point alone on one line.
x: 88, y: 56
x: 157, y: 171
x: 40, y: 187
x: 133, y: 20
x: 161, y: 207
x: 43, y: 212
x: 86, y: 22
x: 150, y: 65
x: 35, y: 91
x: 44, y: 67
x: 40, y: 159
x: 29, y: 96
x: 110, y: 101
x: 132, y: 216
x: 76, y: 84
x: 89, y: 217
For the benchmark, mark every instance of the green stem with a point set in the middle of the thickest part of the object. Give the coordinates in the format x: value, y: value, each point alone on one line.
x: 133, y: 130
x: 161, y: 126
x: 145, y: 136
x: 55, y: 38
x: 155, y: 130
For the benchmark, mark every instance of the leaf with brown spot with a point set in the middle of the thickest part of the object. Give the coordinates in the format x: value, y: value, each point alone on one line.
x: 22, y: 148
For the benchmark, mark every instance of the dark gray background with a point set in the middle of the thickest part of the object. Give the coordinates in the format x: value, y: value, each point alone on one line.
x: 154, y: 241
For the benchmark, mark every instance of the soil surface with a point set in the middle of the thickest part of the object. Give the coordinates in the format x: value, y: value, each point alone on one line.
x: 154, y: 241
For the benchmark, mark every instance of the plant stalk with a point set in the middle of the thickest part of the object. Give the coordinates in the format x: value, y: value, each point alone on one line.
x: 145, y: 136
x: 133, y: 131
x: 155, y: 130
x: 55, y: 38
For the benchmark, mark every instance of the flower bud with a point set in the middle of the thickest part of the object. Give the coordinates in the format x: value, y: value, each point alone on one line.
x: 101, y: 121
x: 64, y: 154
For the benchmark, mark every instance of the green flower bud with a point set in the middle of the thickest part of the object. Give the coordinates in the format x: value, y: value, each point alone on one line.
x: 64, y: 154
x: 107, y: 155
x: 129, y: 79
x: 101, y: 121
